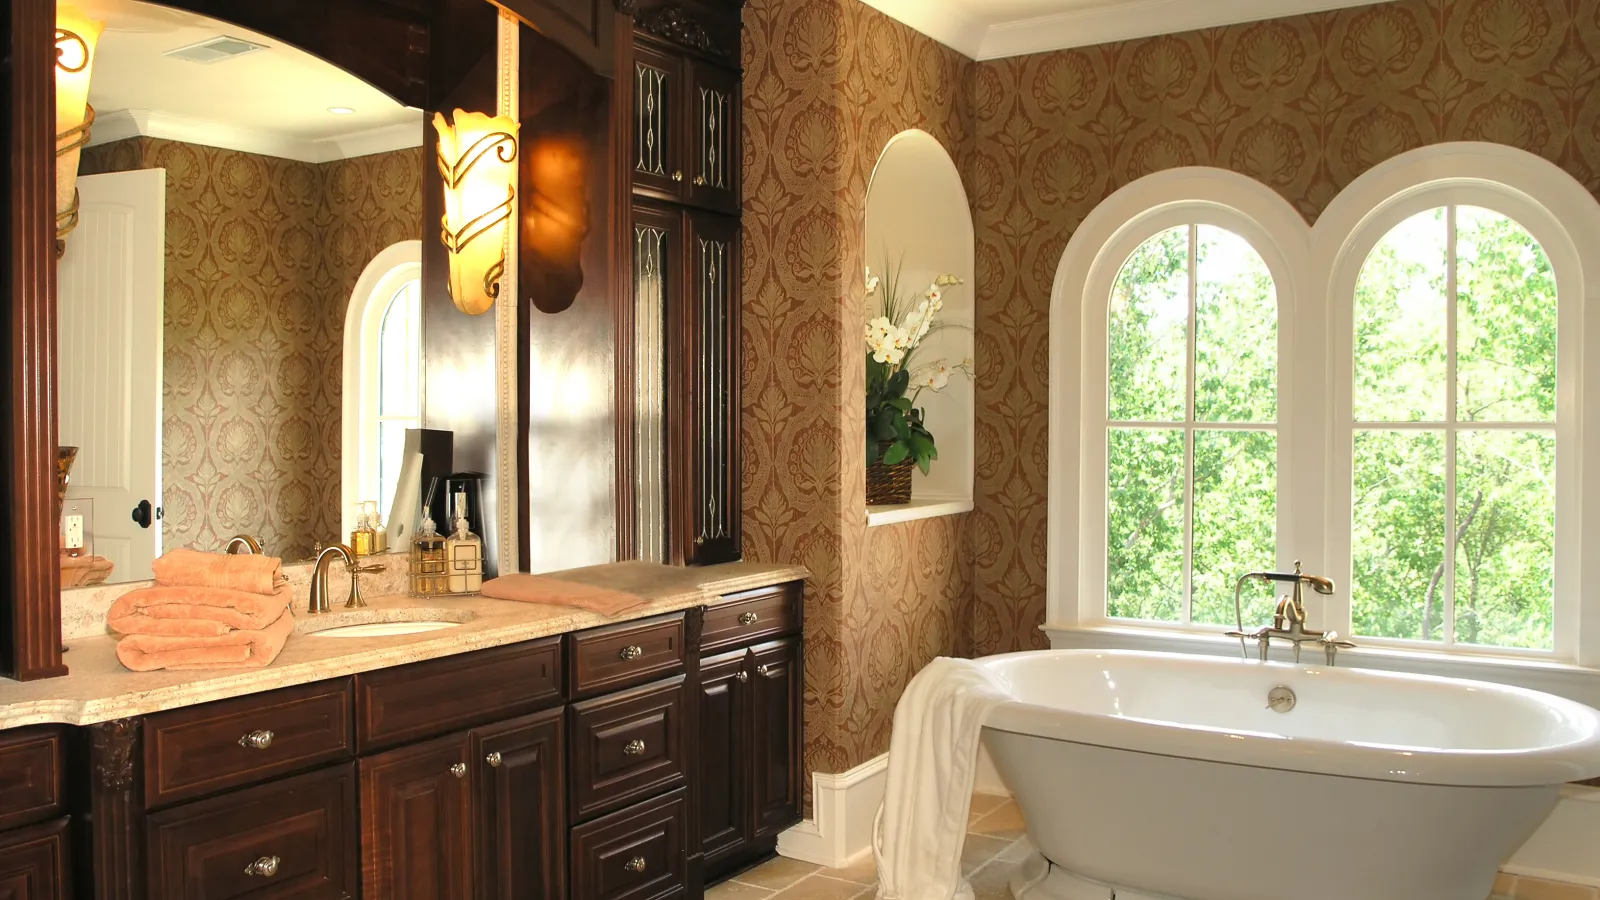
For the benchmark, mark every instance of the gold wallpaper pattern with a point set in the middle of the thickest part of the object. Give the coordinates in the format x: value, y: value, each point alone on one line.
x: 1303, y: 104
x: 261, y: 256
x: 827, y: 84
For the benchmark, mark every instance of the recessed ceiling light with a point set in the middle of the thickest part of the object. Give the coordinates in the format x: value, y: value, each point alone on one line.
x: 341, y: 110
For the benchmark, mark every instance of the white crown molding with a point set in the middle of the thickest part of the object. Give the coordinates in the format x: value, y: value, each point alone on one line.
x: 941, y: 20
x: 128, y: 123
x: 1101, y: 23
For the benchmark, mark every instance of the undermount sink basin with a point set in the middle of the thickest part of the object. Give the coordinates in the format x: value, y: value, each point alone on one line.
x: 370, y: 623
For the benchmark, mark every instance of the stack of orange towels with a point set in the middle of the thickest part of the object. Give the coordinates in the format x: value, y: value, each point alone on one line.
x: 205, y: 611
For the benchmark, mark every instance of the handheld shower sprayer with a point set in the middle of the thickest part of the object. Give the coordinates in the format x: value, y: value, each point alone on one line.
x: 1293, y: 606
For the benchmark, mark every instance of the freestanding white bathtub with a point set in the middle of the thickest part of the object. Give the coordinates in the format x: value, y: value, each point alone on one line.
x: 1154, y: 775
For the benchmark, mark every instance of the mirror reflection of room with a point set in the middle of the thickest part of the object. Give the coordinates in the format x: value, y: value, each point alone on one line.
x: 240, y: 322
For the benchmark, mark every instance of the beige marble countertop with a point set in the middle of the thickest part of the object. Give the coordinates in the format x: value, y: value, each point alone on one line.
x: 99, y: 688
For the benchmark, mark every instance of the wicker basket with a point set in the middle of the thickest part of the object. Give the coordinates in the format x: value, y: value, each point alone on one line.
x: 888, y: 485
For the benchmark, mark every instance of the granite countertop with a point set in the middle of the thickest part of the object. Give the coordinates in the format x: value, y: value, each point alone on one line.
x: 99, y: 688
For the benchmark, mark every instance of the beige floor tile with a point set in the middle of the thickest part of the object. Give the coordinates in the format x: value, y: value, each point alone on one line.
x: 992, y: 881
x: 980, y: 849
x: 820, y: 887
x: 862, y: 871
x: 776, y: 874
x: 1005, y: 822
x: 733, y: 890
x: 983, y: 804
x: 1534, y: 889
x: 1019, y: 850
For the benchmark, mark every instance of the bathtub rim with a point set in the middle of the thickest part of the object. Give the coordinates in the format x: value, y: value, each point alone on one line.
x: 1555, y: 764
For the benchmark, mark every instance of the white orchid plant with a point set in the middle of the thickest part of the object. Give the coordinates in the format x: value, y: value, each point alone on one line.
x: 894, y: 421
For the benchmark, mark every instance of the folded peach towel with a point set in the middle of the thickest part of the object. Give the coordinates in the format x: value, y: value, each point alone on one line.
x: 245, y: 572
x: 195, y: 611
x: 234, y: 650
x: 534, y: 589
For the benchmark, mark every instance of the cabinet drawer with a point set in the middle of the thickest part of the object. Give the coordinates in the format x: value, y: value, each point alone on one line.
x: 292, y: 838
x: 216, y: 746
x: 752, y: 616
x: 425, y: 699
x: 621, y: 656
x: 636, y: 854
x: 626, y: 746
x: 30, y: 776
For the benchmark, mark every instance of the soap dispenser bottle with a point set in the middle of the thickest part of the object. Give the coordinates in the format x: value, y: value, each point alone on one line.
x: 464, y: 551
x: 380, y: 534
x: 362, y: 538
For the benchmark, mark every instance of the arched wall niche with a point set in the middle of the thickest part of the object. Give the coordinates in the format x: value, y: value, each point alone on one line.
x: 918, y: 219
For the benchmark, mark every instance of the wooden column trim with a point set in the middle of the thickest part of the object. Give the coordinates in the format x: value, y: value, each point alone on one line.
x: 627, y: 399
x: 30, y: 604
x: 116, y: 811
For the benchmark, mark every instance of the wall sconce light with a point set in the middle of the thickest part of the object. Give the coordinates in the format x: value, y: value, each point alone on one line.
x: 76, y: 37
x: 477, y: 157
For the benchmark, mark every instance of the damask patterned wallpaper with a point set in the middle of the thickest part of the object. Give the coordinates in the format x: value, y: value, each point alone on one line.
x: 1303, y: 104
x: 827, y: 84
x: 262, y: 254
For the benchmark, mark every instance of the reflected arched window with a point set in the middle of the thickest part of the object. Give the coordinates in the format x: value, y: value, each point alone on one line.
x: 1191, y: 437
x: 399, y: 381
x: 1454, y: 434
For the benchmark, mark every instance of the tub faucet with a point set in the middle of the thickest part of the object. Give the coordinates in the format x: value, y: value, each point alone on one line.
x: 1289, y: 621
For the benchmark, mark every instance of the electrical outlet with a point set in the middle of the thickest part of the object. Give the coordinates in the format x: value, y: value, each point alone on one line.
x: 74, y: 527
x: 82, y: 509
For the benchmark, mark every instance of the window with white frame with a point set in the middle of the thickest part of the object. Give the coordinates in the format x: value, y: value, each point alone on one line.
x: 1390, y: 395
x: 383, y: 391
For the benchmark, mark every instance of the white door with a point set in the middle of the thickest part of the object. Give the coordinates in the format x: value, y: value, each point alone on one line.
x: 110, y: 362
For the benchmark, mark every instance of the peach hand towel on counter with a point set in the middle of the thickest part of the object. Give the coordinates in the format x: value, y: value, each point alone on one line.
x: 534, y: 589
x: 234, y: 650
x: 195, y: 611
x: 192, y: 568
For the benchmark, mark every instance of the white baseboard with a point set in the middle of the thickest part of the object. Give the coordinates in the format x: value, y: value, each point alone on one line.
x: 842, y: 809
x: 844, y: 806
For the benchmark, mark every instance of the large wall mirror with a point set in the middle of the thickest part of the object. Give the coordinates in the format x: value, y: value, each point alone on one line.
x: 240, y: 301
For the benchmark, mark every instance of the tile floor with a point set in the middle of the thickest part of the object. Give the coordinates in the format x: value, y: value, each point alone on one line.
x: 994, y: 846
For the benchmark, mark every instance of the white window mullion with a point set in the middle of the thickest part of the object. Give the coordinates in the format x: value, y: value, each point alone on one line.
x: 1450, y: 314
x: 1189, y: 429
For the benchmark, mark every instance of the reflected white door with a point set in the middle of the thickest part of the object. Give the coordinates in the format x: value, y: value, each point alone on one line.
x: 110, y: 362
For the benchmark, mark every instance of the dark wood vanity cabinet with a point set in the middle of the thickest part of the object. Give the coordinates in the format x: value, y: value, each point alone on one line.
x: 34, y: 844
x: 33, y: 862
x: 683, y: 379
x: 749, y: 729
x: 416, y: 821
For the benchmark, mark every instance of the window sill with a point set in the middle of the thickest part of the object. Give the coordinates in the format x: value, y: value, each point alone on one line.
x: 918, y: 508
x: 1577, y: 683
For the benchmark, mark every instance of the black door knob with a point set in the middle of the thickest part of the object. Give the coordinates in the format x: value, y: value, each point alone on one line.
x: 141, y: 514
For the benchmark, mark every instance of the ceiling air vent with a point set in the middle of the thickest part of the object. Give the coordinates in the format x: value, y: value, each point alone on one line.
x: 214, y: 50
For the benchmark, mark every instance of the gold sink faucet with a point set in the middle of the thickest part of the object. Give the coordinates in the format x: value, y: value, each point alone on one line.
x: 245, y: 542
x: 319, y: 578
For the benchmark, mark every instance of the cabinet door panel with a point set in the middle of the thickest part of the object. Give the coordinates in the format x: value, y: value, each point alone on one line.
x: 522, y: 823
x: 658, y: 93
x: 710, y: 518
x: 776, y: 702
x: 416, y: 841
x: 713, y: 126
x: 33, y: 863
x: 31, y: 788
x: 658, y: 282
x: 724, y: 758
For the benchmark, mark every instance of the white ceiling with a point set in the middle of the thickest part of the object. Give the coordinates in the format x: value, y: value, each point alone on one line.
x: 272, y: 101
x: 991, y: 29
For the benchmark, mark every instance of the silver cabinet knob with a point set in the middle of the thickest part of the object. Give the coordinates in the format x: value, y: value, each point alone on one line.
x: 266, y: 867
x: 742, y: 675
x: 635, y: 865
x: 493, y: 759
x: 257, y: 740
x: 764, y: 671
x: 749, y: 618
x: 634, y: 748
x: 459, y: 770
x: 677, y: 176
x: 699, y: 181
x: 632, y: 651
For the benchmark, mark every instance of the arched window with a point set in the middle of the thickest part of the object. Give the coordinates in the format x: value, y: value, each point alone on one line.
x: 382, y: 375
x: 1191, y: 435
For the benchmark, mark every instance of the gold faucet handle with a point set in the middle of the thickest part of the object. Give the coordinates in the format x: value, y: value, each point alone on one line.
x: 372, y: 569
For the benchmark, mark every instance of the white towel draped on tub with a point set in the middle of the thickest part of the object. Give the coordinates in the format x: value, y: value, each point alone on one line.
x: 933, y: 759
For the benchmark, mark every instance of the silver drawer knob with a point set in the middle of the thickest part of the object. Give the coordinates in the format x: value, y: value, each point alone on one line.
x: 257, y: 740
x: 266, y: 867
x: 749, y: 618
x: 632, y: 651
x: 493, y: 759
x: 636, y: 864
x: 764, y: 671
x: 742, y: 675
x: 459, y: 770
x: 634, y: 748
